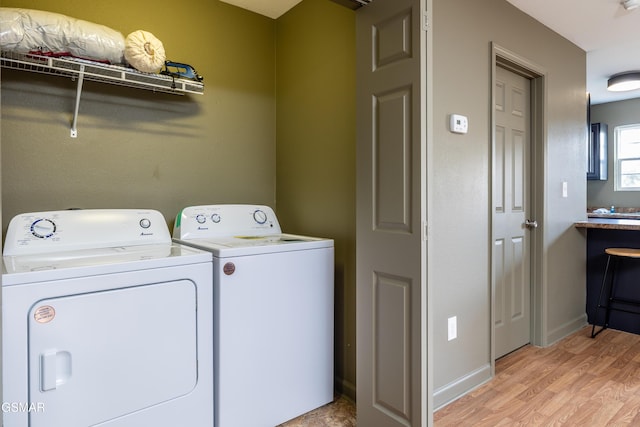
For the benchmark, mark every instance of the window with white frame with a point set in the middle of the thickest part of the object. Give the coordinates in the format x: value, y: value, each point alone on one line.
x: 627, y: 158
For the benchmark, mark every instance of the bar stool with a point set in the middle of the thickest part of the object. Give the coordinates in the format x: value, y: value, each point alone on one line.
x: 614, y: 257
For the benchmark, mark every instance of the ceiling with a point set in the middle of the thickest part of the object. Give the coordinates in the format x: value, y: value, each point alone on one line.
x: 603, y: 28
x: 271, y: 8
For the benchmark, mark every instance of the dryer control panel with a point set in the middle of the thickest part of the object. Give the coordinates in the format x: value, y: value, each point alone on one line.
x: 41, y: 232
x: 209, y: 221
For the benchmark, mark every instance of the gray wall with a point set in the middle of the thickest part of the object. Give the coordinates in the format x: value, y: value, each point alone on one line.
x: 461, y: 209
x: 601, y: 193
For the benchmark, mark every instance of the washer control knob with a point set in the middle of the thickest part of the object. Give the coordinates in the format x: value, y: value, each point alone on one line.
x: 215, y: 218
x: 201, y: 218
x: 145, y: 223
x: 260, y: 216
x: 43, y: 228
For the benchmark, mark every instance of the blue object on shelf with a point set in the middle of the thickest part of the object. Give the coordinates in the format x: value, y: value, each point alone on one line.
x: 178, y: 69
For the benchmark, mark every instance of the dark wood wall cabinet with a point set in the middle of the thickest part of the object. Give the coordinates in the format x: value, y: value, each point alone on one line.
x: 597, y: 152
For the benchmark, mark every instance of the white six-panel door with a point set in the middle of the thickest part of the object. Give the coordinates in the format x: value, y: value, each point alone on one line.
x: 511, y: 200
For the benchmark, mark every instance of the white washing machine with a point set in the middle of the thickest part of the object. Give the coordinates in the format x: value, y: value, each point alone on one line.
x: 273, y: 313
x: 106, y: 322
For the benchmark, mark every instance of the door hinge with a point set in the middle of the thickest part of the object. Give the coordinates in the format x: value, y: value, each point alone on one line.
x: 425, y: 230
x: 425, y: 21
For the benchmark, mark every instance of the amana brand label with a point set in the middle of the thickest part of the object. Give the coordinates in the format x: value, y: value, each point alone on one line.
x: 44, y: 314
x: 229, y: 268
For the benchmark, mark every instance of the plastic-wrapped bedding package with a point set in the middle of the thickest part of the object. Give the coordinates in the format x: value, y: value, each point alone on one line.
x: 27, y: 30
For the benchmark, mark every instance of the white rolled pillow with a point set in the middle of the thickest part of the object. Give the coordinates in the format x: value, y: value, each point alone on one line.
x: 144, y: 52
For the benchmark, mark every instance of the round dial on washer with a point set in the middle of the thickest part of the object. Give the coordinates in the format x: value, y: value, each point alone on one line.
x: 43, y: 228
x: 145, y: 223
x: 260, y: 216
x: 201, y: 218
x: 215, y: 218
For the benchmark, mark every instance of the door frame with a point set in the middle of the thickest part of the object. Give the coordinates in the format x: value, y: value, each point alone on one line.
x: 537, y: 76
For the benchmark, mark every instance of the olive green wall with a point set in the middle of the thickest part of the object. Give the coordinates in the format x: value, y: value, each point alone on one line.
x: 315, y: 177
x: 461, y: 184
x: 601, y: 193
x: 140, y: 149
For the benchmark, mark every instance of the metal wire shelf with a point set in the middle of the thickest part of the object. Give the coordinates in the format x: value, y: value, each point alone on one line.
x: 81, y: 69
x: 95, y: 71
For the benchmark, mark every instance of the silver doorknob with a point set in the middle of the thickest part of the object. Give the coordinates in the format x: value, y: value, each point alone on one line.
x: 531, y: 224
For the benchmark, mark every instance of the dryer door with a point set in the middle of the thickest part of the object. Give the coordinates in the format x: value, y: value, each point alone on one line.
x: 96, y: 357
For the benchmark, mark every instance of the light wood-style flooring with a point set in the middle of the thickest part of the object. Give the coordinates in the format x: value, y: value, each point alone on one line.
x: 579, y: 381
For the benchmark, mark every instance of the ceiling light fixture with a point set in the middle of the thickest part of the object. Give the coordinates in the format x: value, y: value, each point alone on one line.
x: 630, y: 4
x: 624, y: 81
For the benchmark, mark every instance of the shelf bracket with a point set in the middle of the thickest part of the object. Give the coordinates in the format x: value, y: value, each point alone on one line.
x: 74, y: 123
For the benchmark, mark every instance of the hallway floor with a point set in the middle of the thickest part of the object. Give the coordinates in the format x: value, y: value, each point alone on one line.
x: 578, y: 381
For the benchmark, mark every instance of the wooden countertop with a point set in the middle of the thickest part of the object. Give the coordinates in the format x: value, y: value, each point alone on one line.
x: 609, y: 223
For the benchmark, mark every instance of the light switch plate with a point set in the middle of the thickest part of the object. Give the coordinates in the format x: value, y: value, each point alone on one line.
x: 458, y: 124
x: 452, y: 328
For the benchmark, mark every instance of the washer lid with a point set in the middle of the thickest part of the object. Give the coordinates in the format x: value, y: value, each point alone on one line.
x: 226, y: 246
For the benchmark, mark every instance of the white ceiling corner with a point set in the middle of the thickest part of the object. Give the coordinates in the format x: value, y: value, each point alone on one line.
x: 270, y: 8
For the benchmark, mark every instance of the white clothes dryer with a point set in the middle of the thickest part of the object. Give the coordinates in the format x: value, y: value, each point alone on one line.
x: 273, y: 313
x: 106, y: 322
